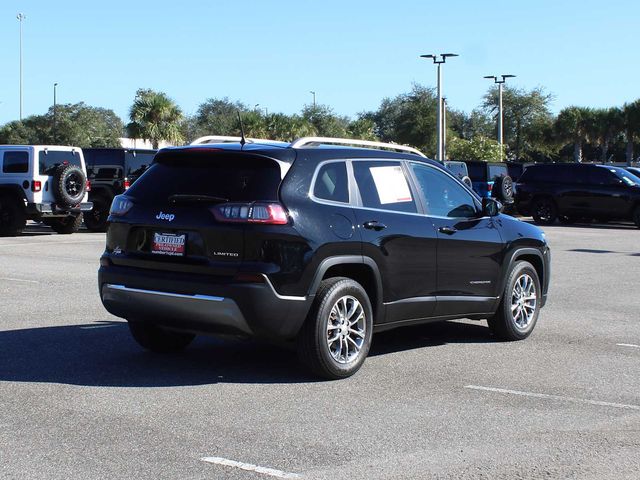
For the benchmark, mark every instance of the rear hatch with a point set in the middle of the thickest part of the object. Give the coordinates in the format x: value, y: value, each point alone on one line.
x: 188, y: 212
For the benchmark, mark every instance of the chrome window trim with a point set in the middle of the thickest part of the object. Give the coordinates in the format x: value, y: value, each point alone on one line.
x: 314, y: 178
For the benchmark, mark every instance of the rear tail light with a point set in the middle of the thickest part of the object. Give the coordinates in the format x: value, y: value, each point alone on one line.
x: 254, y: 212
x: 120, y: 206
x: 88, y: 189
x: 127, y: 183
x: 36, y: 185
x: 489, y: 187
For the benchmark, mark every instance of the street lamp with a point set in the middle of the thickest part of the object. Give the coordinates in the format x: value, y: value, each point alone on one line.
x: 314, y: 98
x: 444, y: 128
x: 54, y: 112
x: 500, y: 114
x: 439, y: 60
x: 21, y: 17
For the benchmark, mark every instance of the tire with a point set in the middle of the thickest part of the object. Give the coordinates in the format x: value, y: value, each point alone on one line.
x: 636, y: 216
x: 544, y: 211
x: 503, y: 189
x: 326, y: 357
x: 96, y: 219
x: 158, y: 340
x: 467, y: 181
x: 12, y: 216
x: 66, y: 225
x: 504, y: 323
x: 69, y: 185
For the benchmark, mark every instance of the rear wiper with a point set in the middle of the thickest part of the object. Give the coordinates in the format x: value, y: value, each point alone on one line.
x: 196, y: 198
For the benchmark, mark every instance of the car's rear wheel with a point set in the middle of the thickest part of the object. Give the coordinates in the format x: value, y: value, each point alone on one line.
x: 12, y: 216
x: 156, y: 339
x: 519, y: 308
x: 336, y: 336
x: 544, y: 211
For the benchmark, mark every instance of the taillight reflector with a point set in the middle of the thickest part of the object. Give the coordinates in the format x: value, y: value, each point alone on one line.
x: 255, y: 212
x: 36, y: 185
x: 127, y: 183
x: 88, y: 189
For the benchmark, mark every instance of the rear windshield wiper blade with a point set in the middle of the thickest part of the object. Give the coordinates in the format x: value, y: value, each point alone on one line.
x: 196, y: 198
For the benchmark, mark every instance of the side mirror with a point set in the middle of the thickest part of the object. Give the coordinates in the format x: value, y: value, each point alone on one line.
x: 491, y: 207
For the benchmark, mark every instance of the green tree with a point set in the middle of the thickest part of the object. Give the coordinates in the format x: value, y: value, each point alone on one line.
x: 287, y: 127
x: 216, y: 116
x: 478, y: 148
x: 155, y: 117
x: 573, y: 125
x: 526, y: 115
x: 631, y: 122
x: 77, y: 124
x: 362, y: 128
x: 324, y: 121
x: 606, y: 124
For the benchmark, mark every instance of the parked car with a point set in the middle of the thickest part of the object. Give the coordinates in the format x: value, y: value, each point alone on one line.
x: 634, y: 170
x: 569, y: 192
x: 491, y: 180
x: 459, y: 169
x: 111, y: 171
x: 42, y: 183
x: 314, y: 245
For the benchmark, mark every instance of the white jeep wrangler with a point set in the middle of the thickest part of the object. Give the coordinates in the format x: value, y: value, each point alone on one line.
x: 45, y: 183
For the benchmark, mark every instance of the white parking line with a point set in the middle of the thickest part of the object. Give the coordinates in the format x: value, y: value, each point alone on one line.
x: 97, y: 240
x: 554, y: 397
x: 10, y: 279
x: 627, y: 345
x: 250, y: 467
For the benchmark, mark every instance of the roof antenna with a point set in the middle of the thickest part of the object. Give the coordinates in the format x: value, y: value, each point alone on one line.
x: 242, y: 139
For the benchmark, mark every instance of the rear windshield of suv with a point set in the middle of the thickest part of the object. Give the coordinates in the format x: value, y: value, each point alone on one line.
x: 231, y: 177
x: 497, y: 171
x: 49, y: 160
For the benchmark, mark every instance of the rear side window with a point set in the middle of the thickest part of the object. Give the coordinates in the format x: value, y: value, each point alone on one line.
x: 384, y: 186
x: 536, y: 174
x: 332, y: 183
x: 602, y: 176
x: 50, y: 160
x: 228, y: 176
x: 15, y: 162
x: 496, y: 171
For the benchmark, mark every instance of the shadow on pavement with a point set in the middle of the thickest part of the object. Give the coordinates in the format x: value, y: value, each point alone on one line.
x: 104, y: 354
x: 614, y: 225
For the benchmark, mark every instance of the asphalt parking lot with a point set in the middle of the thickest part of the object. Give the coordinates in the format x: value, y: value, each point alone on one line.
x: 79, y: 399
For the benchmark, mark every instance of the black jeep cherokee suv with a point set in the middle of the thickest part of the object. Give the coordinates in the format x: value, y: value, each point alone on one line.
x: 573, y: 191
x: 315, y: 245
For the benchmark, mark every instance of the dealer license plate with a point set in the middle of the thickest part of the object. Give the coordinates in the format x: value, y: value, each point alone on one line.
x: 168, y: 244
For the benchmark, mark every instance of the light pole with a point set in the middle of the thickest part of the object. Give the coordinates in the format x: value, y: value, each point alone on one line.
x: 439, y: 60
x: 55, y: 104
x: 21, y: 17
x: 314, y: 98
x: 444, y: 128
x: 500, y: 114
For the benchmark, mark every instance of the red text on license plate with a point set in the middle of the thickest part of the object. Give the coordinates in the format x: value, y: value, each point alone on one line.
x: 168, y: 244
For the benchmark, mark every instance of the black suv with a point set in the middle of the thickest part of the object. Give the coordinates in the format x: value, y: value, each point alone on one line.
x: 314, y: 245
x: 110, y: 172
x: 570, y: 192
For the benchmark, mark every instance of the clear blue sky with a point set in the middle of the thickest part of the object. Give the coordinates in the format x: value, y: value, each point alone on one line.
x: 352, y: 53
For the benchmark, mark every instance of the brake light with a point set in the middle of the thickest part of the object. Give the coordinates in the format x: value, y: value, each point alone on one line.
x: 489, y: 187
x: 36, y: 185
x: 127, y: 183
x: 120, y: 206
x: 254, y: 212
x: 88, y: 189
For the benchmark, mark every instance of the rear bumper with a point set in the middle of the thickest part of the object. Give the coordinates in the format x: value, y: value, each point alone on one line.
x: 196, y: 304
x: 51, y: 209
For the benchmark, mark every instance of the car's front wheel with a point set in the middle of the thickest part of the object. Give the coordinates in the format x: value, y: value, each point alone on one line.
x: 519, y: 308
x: 159, y: 340
x: 336, y: 336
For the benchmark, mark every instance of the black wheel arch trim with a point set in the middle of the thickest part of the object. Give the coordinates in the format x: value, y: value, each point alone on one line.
x: 517, y: 254
x: 346, y: 260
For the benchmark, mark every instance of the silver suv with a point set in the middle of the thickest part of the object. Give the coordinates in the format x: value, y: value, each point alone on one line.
x: 45, y: 183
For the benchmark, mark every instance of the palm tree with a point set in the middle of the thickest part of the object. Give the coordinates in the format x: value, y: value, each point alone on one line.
x: 606, y: 125
x: 573, y: 125
x: 155, y: 117
x: 631, y: 119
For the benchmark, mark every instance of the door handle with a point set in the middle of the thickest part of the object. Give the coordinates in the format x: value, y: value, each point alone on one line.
x: 447, y: 230
x: 374, y: 225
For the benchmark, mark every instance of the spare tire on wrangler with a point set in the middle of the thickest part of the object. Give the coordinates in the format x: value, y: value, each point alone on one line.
x: 503, y: 189
x: 69, y: 184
